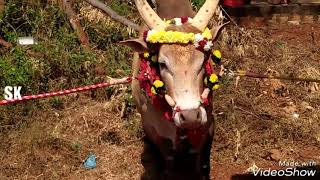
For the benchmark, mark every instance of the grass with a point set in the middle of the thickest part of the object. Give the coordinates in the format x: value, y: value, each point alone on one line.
x: 58, y: 61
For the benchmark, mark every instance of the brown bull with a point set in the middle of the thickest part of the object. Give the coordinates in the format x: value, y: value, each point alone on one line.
x: 182, y: 71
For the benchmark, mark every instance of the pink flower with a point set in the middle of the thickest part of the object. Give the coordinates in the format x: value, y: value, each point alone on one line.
x: 184, y: 19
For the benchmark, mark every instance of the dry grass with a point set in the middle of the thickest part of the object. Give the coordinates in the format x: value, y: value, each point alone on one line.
x: 55, y: 143
x: 269, y: 114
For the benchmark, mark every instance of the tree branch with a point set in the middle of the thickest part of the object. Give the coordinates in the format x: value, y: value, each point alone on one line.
x: 2, y: 5
x: 75, y: 23
x: 113, y: 14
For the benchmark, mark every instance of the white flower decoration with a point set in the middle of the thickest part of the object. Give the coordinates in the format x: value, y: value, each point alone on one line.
x: 198, y: 37
x: 208, y: 46
x: 178, y: 21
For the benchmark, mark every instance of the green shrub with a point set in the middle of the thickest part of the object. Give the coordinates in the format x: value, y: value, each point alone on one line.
x: 198, y: 3
x: 57, y: 61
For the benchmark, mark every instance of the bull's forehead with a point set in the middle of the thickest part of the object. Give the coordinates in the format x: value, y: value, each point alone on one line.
x: 180, y: 54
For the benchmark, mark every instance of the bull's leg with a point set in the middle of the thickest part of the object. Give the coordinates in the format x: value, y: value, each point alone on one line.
x: 168, y: 156
x: 184, y: 164
x: 152, y: 161
x: 205, y: 158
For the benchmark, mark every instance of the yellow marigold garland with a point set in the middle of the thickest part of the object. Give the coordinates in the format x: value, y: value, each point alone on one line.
x: 207, y: 33
x: 174, y: 36
x: 169, y: 37
x: 200, y: 40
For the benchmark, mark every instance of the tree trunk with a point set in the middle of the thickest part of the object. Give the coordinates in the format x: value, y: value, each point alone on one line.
x: 75, y: 23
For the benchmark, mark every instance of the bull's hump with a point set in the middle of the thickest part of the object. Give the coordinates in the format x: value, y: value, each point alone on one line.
x: 168, y: 9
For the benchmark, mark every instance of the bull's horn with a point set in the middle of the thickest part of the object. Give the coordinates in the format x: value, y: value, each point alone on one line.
x: 204, y: 15
x: 205, y: 93
x: 151, y: 18
x: 169, y: 100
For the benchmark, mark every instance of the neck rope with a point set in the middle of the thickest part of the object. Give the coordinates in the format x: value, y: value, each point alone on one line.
x: 149, y: 74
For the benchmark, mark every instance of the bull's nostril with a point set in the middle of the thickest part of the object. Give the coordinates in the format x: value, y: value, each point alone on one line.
x: 182, y: 117
x: 198, y: 115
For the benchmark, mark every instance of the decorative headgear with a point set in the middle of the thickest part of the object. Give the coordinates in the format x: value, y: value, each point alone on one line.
x: 153, y: 86
x: 149, y: 76
x: 202, y: 41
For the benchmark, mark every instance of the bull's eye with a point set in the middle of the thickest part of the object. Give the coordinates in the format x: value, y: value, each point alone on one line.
x: 163, y: 65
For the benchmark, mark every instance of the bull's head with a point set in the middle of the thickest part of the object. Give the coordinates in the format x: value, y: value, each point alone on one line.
x: 181, y: 65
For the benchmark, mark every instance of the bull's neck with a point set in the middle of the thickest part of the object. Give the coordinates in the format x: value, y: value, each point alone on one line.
x: 169, y: 9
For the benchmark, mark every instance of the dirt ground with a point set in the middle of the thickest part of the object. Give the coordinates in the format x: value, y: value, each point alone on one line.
x: 258, y: 122
x: 279, y: 102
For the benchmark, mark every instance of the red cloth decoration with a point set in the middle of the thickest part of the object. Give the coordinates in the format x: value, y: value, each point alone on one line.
x: 208, y: 68
x: 205, y: 102
x: 195, y: 136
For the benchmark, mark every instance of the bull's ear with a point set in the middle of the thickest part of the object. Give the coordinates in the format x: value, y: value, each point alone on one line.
x: 215, y: 31
x: 137, y: 45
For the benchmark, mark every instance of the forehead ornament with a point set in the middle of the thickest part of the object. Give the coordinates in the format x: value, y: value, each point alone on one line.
x: 202, y: 41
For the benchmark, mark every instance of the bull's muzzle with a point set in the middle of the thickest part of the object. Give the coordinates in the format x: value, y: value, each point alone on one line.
x: 190, y: 118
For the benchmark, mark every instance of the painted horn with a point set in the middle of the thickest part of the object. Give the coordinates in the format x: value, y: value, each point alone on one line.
x: 205, y: 93
x: 204, y: 15
x: 169, y: 100
x: 150, y: 17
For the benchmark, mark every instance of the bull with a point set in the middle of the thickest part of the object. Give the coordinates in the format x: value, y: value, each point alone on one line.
x: 184, y: 135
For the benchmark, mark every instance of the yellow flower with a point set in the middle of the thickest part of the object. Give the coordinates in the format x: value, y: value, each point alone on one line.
x: 213, y: 82
x: 168, y: 21
x: 158, y: 84
x: 215, y: 87
x: 154, y: 58
x: 217, y: 54
x: 189, y: 37
x: 153, y: 91
x: 146, y: 54
x: 207, y: 33
x: 213, y: 78
x: 155, y: 37
x: 170, y: 37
